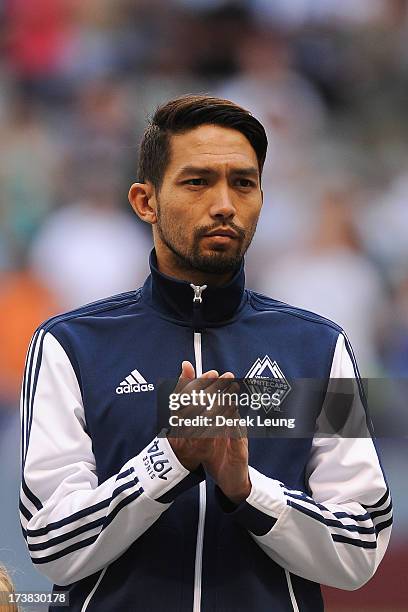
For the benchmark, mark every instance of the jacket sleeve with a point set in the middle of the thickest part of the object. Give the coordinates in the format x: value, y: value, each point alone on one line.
x: 73, y: 525
x: 337, y: 530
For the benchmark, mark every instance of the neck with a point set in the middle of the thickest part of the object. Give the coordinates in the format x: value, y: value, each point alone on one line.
x: 174, y: 297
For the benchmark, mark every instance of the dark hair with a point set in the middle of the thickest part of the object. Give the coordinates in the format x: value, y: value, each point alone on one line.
x: 186, y: 113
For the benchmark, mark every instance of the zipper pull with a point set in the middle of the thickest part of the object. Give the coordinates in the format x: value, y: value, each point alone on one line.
x: 197, y: 301
x: 197, y: 292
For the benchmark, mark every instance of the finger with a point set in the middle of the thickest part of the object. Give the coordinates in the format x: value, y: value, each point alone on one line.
x: 234, y: 426
x: 202, y: 382
x: 210, y: 410
x: 186, y: 386
x: 216, y: 397
x: 187, y: 370
x: 210, y: 374
x: 218, y: 383
x: 187, y: 375
x: 210, y: 385
x: 199, y: 383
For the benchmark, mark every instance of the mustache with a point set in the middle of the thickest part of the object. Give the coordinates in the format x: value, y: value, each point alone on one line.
x: 205, y: 229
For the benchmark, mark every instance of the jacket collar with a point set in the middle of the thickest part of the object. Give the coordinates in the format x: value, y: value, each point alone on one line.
x: 174, y: 298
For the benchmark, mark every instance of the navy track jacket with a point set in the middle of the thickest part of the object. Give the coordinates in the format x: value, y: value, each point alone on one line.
x: 109, y: 513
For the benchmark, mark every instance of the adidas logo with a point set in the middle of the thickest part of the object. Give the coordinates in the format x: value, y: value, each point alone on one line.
x: 134, y: 383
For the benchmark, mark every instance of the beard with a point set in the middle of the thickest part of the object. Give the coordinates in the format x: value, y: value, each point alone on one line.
x: 190, y: 256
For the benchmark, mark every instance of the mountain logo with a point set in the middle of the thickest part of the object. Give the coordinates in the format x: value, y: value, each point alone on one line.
x: 265, y: 376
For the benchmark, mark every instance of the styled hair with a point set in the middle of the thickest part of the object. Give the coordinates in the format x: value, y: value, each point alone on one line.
x: 184, y: 114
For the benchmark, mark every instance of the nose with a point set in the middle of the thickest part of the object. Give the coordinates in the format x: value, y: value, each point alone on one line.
x: 223, y: 206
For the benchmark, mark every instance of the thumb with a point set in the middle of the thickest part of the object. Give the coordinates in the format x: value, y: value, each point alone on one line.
x: 187, y: 370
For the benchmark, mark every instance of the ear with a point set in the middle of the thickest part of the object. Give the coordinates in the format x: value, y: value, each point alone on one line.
x: 142, y: 199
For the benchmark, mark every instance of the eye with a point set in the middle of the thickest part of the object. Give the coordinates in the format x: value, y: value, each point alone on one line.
x: 244, y: 182
x: 196, y: 182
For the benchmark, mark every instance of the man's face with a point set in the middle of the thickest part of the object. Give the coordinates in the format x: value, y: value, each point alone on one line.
x: 210, y: 199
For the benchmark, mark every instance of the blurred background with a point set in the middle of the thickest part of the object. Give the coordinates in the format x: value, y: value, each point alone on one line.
x: 328, y: 79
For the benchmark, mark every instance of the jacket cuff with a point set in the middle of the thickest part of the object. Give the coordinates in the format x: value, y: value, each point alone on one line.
x: 261, y: 509
x: 161, y: 474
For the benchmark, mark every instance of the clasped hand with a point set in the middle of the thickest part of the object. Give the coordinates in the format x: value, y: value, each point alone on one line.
x: 223, y: 452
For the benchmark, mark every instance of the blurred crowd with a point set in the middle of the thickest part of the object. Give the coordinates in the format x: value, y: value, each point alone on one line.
x: 327, y: 79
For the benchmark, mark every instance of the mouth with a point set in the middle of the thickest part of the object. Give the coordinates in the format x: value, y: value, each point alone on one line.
x: 227, y: 233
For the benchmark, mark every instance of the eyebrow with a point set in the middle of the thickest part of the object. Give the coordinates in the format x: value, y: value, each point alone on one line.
x: 250, y: 171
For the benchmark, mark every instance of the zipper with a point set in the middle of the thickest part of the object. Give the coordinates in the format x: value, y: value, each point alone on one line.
x: 197, y: 323
x: 92, y: 593
x: 291, y: 592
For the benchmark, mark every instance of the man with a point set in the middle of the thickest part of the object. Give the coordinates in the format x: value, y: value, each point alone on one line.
x: 125, y: 519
